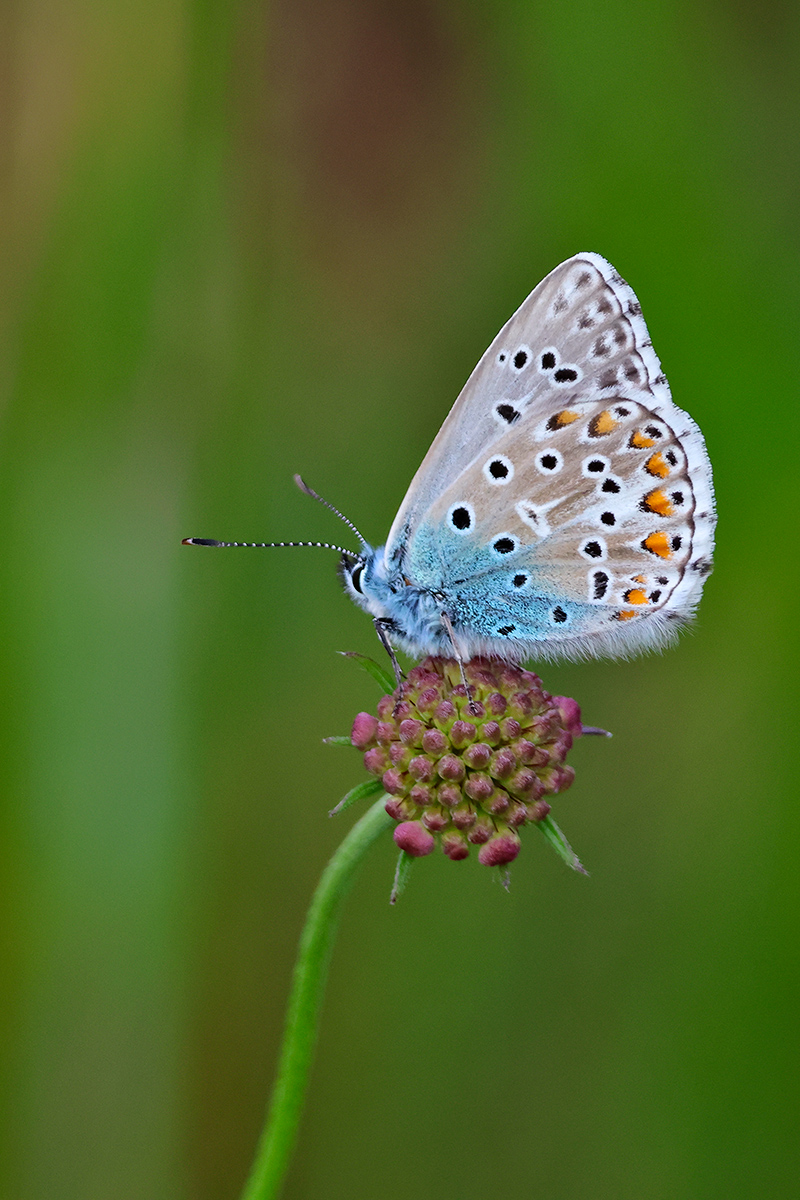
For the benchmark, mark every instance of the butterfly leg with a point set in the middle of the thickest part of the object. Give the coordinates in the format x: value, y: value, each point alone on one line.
x: 451, y: 633
x: 381, y: 625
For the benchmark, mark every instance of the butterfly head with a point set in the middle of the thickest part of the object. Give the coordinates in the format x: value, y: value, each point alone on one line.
x: 364, y: 579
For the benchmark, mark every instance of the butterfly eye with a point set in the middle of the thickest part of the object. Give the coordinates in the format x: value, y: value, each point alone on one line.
x: 355, y: 579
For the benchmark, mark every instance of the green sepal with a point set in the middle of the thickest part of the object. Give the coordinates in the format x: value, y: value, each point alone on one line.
x: 378, y: 673
x: 404, y: 864
x: 339, y: 739
x: 362, y: 791
x: 560, y: 844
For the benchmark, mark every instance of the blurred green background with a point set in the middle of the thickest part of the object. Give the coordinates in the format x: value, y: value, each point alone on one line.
x: 242, y: 240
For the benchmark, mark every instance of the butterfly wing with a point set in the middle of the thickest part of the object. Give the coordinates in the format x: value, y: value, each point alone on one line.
x: 566, y: 501
x: 582, y: 305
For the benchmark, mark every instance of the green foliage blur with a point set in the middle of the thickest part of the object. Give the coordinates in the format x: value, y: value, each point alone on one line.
x: 242, y: 240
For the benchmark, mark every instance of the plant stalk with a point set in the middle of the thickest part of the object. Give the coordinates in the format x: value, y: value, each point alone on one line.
x: 278, y: 1138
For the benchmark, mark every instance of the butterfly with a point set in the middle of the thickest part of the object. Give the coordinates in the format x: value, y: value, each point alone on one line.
x: 565, y: 508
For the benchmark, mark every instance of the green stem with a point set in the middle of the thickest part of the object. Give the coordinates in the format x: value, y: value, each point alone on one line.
x: 308, y: 985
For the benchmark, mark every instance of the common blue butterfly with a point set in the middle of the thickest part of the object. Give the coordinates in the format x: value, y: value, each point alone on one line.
x: 565, y: 508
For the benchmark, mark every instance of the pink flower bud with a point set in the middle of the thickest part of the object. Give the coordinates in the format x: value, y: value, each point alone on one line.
x: 365, y: 728
x: 411, y: 732
x: 434, y: 742
x: 538, y: 810
x: 401, y: 808
x: 525, y: 783
x: 503, y: 763
x: 517, y: 814
x: 455, y: 845
x: 399, y: 755
x: 500, y: 850
x: 451, y: 768
x: 520, y: 706
x: 530, y: 754
x: 479, y: 787
x: 478, y: 756
x: 461, y: 734
x: 560, y: 747
x: 394, y: 781
x: 421, y: 768
x: 557, y: 779
x: 510, y: 729
x: 481, y: 831
x: 463, y: 817
x: 435, y: 820
x: 421, y: 794
x: 448, y: 794
x: 570, y: 714
x: 427, y: 700
x: 490, y: 733
x: 414, y: 839
x: 542, y: 727
x: 445, y: 715
x: 376, y: 760
x: 497, y: 803
x: 385, y: 732
x: 496, y: 705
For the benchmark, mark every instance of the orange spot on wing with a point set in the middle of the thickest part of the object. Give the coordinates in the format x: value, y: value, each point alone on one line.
x: 640, y: 441
x: 636, y: 596
x: 625, y: 615
x: 659, y: 502
x: 638, y: 578
x: 656, y: 465
x: 658, y: 543
x: 602, y: 424
x: 565, y: 417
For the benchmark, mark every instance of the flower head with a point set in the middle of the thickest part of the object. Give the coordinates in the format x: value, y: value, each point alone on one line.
x: 468, y: 770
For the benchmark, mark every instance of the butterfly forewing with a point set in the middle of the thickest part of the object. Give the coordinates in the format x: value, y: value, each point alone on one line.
x: 578, y: 331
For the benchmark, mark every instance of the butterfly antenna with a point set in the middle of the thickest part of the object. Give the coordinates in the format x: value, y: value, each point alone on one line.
x: 301, y: 483
x: 269, y: 545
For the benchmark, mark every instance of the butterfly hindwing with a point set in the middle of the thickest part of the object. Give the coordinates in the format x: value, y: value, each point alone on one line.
x: 566, y: 497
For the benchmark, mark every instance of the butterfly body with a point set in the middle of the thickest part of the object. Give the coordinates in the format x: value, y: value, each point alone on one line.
x: 565, y: 509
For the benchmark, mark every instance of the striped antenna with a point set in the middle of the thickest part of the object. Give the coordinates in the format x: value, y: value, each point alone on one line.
x: 315, y: 496
x: 269, y: 545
